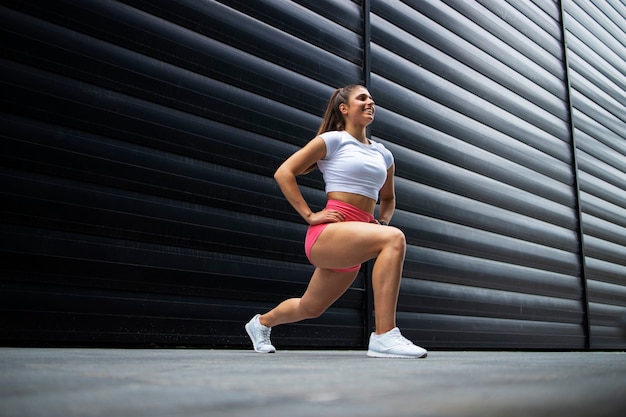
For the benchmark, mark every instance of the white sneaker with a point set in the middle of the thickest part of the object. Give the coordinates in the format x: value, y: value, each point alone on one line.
x: 260, y: 335
x: 393, y: 345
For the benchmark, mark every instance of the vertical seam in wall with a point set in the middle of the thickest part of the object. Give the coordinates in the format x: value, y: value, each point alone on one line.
x: 368, y: 302
x: 367, y: 32
x: 581, y: 234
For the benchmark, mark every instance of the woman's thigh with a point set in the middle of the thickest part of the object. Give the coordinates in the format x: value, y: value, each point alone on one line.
x: 344, y: 244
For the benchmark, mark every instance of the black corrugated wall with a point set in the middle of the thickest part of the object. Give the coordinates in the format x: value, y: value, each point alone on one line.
x: 596, y: 54
x: 476, y: 113
x: 139, y: 139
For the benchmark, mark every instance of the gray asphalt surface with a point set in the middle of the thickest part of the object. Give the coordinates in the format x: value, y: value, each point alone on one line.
x: 192, y: 382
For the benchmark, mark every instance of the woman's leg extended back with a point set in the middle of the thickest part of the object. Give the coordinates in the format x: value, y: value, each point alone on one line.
x: 325, y: 287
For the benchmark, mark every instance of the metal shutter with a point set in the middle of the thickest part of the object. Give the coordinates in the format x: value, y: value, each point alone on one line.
x: 473, y: 103
x: 596, y: 54
x: 139, y: 143
x: 139, y: 140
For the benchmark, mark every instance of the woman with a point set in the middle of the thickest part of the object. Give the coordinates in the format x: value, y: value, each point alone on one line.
x: 345, y: 234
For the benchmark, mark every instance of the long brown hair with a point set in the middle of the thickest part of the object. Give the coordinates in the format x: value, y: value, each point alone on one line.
x: 333, y: 119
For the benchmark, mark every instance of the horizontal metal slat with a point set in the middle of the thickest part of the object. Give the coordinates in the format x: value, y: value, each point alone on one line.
x: 472, y: 95
x: 432, y: 331
x: 591, y: 62
x: 435, y: 297
x: 604, y: 230
x: 598, y: 32
x: 465, y: 240
x: 53, y: 257
x: 61, y: 315
x: 467, y: 136
x: 431, y: 264
x: 424, y: 201
x: 242, y: 31
x: 119, y: 116
x: 602, y: 209
x: 517, y: 31
x: 175, y: 84
x: 58, y: 204
x: 604, y: 250
x: 598, y: 113
x: 414, y: 16
x: 598, y: 97
x: 591, y: 149
x: 480, y: 162
x: 468, y: 184
x: 586, y: 127
x: 606, y: 292
x: 408, y: 103
x: 538, y: 21
x: 303, y: 23
x: 613, y: 194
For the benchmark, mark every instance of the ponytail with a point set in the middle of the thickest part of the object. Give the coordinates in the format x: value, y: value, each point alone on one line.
x: 333, y: 119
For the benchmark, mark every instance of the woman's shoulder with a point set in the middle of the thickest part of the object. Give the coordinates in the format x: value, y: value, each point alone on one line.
x: 333, y: 140
x: 332, y: 135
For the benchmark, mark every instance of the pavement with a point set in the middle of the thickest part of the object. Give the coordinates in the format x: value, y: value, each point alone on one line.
x: 321, y: 383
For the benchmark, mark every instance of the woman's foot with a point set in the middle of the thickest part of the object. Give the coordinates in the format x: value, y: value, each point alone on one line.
x: 260, y: 335
x: 393, y: 345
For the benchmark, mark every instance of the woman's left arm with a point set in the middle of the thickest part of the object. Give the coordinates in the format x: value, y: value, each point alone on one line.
x: 387, y: 197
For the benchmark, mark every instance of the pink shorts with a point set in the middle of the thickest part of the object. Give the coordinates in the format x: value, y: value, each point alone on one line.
x: 351, y: 213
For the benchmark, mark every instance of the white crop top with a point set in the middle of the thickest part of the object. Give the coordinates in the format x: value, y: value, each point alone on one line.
x: 353, y: 167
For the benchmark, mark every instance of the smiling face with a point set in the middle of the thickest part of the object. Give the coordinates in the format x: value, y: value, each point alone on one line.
x: 360, y: 108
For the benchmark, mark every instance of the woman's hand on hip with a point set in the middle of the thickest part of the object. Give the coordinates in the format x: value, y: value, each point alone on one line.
x: 326, y: 216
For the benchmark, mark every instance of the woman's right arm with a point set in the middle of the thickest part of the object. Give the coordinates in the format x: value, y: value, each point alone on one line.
x: 295, y: 165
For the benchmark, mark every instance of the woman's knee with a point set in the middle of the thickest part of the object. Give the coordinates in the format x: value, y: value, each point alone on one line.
x: 396, y: 238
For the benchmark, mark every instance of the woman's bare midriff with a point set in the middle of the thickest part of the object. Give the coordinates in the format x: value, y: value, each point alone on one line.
x: 360, y: 201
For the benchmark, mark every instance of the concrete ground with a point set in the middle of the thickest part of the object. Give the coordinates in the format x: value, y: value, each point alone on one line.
x: 191, y: 382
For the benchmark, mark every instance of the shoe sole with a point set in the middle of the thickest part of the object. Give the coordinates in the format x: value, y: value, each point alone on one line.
x: 251, y: 338
x: 373, y: 354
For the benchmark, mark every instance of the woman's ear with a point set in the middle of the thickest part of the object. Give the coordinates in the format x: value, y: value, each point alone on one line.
x: 343, y: 108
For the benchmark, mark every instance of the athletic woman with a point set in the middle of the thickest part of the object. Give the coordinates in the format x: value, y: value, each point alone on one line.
x: 357, y: 173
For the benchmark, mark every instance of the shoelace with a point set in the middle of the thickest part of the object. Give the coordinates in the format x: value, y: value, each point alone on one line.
x: 265, y: 333
x: 401, y: 339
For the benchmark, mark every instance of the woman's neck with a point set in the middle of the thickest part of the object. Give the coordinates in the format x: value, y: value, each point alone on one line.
x: 358, y: 133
